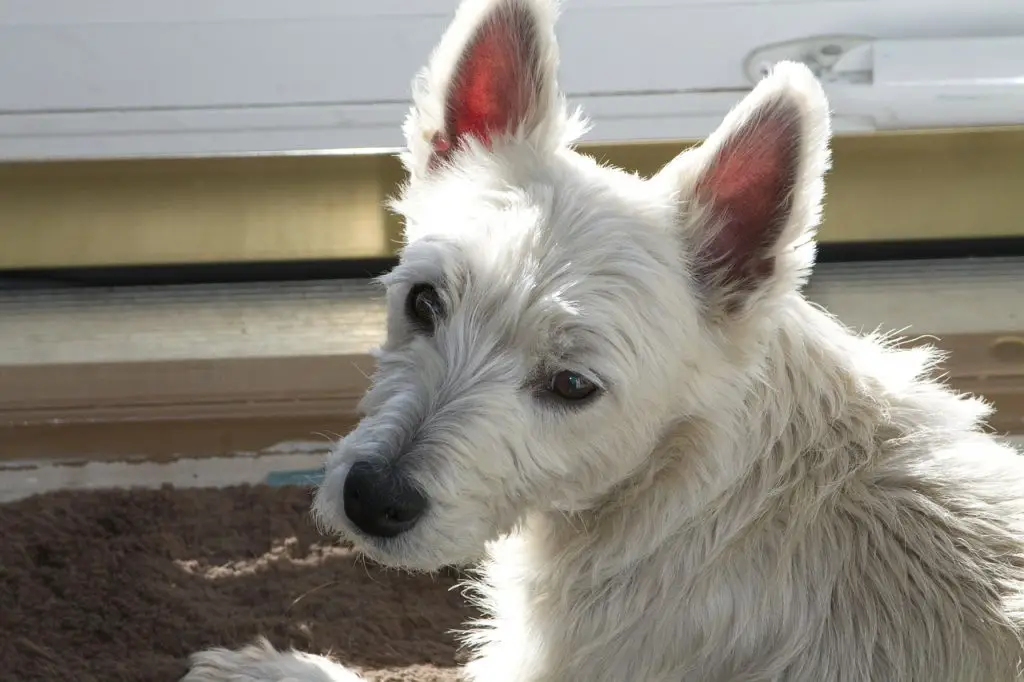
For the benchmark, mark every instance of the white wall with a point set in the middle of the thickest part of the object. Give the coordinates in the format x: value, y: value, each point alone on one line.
x: 101, y: 78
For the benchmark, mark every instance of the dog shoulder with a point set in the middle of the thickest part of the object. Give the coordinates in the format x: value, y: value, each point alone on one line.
x: 928, y: 561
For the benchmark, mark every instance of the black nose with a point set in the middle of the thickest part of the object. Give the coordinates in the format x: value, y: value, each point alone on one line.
x: 380, y: 501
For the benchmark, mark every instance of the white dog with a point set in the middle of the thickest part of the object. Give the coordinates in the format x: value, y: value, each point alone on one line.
x: 610, y: 390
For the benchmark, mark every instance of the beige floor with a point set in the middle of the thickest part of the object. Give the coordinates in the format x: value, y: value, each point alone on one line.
x: 206, y: 385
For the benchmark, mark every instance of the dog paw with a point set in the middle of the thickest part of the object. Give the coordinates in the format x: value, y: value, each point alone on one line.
x: 261, y: 662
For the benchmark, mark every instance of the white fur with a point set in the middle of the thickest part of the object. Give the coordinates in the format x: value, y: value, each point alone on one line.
x: 260, y: 662
x: 758, y: 494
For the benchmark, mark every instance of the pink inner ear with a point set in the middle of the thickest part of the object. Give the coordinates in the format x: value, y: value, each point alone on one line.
x: 494, y: 78
x: 749, y: 189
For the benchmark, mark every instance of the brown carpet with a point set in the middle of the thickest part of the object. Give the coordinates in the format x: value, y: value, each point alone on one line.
x: 111, y: 586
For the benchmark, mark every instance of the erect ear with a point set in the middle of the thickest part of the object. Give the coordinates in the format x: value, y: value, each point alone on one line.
x: 750, y: 195
x: 493, y: 74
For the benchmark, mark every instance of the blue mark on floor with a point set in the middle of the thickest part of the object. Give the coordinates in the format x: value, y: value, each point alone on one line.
x: 301, y: 477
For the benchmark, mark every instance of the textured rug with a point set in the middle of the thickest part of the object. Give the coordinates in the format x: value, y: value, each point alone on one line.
x: 111, y: 586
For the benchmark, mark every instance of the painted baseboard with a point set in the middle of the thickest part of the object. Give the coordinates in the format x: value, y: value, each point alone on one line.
x: 292, y: 464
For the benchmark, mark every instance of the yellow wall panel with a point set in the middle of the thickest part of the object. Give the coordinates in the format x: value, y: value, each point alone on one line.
x: 893, y: 186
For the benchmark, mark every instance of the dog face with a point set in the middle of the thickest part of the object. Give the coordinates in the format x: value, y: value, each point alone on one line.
x: 550, y: 317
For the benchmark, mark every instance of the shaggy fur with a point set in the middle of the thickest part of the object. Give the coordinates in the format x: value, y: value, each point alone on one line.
x: 754, y: 494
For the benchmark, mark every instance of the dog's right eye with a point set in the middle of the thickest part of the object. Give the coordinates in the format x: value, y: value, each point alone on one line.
x: 572, y: 386
x: 423, y: 306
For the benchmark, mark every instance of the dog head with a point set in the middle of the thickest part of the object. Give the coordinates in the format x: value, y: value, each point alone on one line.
x: 550, y: 317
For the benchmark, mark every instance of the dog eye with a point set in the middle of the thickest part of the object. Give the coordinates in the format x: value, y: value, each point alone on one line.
x: 423, y: 306
x: 572, y: 386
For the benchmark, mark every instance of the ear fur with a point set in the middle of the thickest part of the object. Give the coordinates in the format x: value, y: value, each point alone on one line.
x: 750, y: 196
x: 493, y: 75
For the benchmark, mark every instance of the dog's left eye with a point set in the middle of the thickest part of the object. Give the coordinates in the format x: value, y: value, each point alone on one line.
x: 572, y: 386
